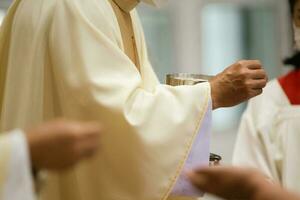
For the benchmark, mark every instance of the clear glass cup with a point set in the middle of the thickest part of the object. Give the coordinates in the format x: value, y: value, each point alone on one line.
x: 192, y: 79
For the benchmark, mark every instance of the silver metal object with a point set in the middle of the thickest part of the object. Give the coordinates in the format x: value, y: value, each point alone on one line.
x: 186, y: 79
x: 214, y: 160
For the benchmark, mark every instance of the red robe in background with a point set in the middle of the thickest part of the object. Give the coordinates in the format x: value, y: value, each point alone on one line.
x: 290, y: 84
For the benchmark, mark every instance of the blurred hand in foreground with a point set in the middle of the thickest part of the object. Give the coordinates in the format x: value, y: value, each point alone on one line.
x: 61, y: 144
x: 238, y: 183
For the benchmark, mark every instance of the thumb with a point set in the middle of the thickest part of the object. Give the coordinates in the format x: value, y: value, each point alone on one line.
x: 198, y: 179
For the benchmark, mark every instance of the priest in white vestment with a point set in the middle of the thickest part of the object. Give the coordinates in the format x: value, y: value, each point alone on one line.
x: 38, y: 148
x: 87, y: 59
x: 269, y: 136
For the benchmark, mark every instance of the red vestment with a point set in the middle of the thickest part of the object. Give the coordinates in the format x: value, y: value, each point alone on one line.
x: 290, y: 83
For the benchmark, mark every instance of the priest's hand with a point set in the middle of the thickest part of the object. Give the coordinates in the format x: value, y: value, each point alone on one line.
x: 238, y: 83
x: 237, y: 183
x: 61, y: 144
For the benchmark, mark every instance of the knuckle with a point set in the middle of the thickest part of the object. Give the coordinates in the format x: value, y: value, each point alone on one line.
x: 264, y: 76
x: 243, y: 76
x: 247, y: 84
x: 242, y: 63
x: 236, y: 66
x: 265, y: 83
x: 248, y: 93
x: 257, y: 92
x: 262, y: 84
x: 246, y: 73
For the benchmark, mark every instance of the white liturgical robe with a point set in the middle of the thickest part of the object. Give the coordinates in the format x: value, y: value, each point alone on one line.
x: 65, y: 58
x: 269, y: 137
x: 15, y: 169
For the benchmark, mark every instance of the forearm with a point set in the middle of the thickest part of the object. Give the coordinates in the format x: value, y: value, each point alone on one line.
x: 275, y: 193
x: 268, y: 191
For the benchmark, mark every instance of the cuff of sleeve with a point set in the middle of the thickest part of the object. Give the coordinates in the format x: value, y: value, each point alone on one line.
x: 210, y: 106
x: 19, y: 182
x: 199, y: 153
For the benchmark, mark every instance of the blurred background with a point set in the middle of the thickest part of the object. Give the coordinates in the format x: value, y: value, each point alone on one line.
x: 205, y: 36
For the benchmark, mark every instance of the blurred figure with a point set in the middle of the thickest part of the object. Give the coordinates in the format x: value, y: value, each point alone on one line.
x: 269, y: 137
x: 87, y: 59
x: 54, y: 145
x: 237, y: 183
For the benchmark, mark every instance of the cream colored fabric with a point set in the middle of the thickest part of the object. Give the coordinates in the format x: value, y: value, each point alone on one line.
x: 5, y: 155
x: 4, y: 46
x: 15, y: 169
x: 269, y: 137
x: 66, y: 59
x: 127, y: 32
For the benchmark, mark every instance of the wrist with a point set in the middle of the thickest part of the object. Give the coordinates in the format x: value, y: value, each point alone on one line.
x: 260, y: 189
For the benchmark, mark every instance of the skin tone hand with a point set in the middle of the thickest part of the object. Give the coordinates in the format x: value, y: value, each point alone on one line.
x: 238, y: 183
x: 61, y: 144
x: 238, y: 83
